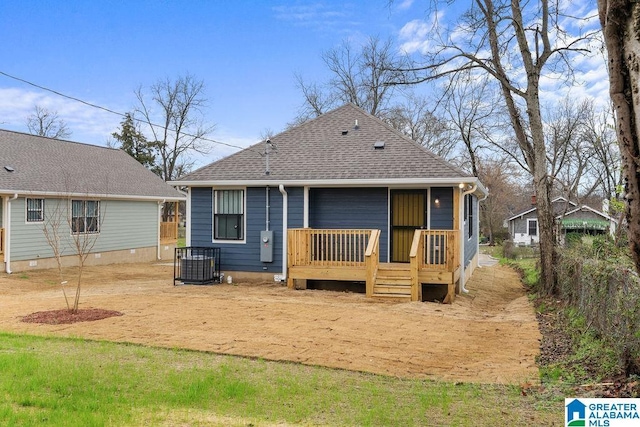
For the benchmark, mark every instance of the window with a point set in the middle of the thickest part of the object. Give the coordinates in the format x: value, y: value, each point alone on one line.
x: 85, y: 216
x: 228, y: 222
x: 35, y: 210
x: 532, y: 225
x: 469, y: 210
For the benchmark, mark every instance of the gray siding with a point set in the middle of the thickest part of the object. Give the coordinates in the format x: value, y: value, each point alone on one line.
x: 125, y: 225
x: 351, y: 208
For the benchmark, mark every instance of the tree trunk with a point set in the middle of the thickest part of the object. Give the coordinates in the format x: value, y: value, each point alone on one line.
x: 621, y: 27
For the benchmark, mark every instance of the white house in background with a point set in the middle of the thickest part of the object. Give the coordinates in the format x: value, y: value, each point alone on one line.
x: 524, y: 228
x: 93, y: 191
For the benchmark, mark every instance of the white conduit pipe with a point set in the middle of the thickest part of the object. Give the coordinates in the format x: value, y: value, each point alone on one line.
x: 7, y: 236
x: 285, y: 209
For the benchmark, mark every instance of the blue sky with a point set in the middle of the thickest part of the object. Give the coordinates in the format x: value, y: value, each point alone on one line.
x: 246, y: 52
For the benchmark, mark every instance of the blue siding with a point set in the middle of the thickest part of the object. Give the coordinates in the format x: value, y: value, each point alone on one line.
x: 296, y: 207
x: 351, y: 208
x: 442, y: 217
x: 201, y: 216
x: 328, y: 208
x: 246, y: 256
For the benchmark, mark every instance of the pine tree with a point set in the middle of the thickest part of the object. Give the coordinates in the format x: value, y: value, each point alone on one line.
x: 134, y: 143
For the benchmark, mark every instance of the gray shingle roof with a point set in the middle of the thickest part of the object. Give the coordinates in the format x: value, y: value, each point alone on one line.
x: 44, y: 165
x: 319, y: 150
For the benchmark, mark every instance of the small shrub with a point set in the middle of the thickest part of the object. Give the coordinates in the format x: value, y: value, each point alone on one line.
x: 571, y: 240
x: 509, y: 250
x: 604, y: 294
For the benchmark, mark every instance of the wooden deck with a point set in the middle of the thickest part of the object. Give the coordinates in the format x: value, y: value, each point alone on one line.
x: 353, y: 255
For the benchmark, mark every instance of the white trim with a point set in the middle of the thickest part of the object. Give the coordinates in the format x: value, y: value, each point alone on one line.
x: 70, y: 218
x: 400, y: 182
x: 244, y: 216
x: 521, y: 214
x: 187, y: 231
x: 429, y: 208
x: 537, y: 227
x: 26, y: 211
x: 63, y: 195
x: 607, y: 217
x: 285, y: 228
x: 305, y: 207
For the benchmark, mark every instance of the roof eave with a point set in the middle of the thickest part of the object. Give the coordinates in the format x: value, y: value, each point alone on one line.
x: 336, y: 182
x: 92, y: 195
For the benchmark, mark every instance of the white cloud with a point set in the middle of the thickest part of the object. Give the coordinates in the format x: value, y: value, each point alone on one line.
x: 414, y: 37
x: 87, y: 124
x: 405, y: 4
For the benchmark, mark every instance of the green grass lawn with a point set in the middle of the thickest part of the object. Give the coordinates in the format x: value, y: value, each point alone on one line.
x: 73, y: 382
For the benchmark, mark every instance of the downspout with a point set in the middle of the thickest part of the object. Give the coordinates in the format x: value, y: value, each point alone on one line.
x: 187, y: 213
x: 7, y: 236
x: 462, y: 277
x: 285, y: 219
x: 160, y: 204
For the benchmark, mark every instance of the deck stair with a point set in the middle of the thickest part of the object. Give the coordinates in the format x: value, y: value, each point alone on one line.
x: 393, y: 281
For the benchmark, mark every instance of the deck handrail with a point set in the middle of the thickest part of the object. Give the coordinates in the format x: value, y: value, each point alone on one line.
x: 328, y: 247
x: 372, y: 261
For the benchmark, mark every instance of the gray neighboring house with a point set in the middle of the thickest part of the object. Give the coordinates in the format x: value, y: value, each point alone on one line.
x: 325, y: 191
x: 90, y: 191
x: 524, y: 230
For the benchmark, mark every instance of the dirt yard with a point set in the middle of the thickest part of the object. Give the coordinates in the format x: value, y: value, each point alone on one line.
x: 489, y: 335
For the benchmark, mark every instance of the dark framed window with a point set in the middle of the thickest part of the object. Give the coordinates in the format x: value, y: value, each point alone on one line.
x: 532, y: 225
x: 35, y: 210
x: 85, y: 216
x: 469, y: 213
x: 228, y: 215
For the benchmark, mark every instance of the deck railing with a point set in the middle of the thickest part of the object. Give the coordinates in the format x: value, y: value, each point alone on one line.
x: 328, y: 247
x: 168, y: 232
x: 436, y: 250
x: 1, y: 241
x: 433, y: 250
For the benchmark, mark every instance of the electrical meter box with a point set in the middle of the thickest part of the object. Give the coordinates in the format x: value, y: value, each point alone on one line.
x: 266, y: 246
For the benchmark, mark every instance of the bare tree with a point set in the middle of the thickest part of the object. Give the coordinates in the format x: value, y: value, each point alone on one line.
x: 47, y: 123
x: 360, y: 76
x: 414, y: 119
x: 497, y: 174
x: 73, y: 225
x: 619, y: 21
x: 174, y: 114
x: 600, y: 134
x: 473, y: 112
x: 514, y: 43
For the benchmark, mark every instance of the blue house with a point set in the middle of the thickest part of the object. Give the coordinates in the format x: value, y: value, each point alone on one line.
x: 343, y: 197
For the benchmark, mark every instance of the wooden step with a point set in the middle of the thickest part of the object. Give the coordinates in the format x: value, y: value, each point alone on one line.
x: 392, y: 289
x: 397, y: 297
x: 400, y: 280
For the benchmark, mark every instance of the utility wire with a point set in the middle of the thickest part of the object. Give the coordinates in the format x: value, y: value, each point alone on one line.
x: 114, y: 112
